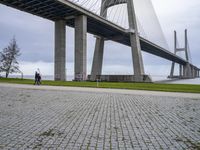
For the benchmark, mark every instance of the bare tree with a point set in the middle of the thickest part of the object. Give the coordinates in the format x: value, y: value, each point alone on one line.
x: 8, y: 58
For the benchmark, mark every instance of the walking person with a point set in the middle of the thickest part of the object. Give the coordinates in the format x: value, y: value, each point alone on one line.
x: 36, y: 78
x: 39, y: 79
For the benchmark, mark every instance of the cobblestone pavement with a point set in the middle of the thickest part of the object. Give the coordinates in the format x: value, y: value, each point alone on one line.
x: 47, y: 119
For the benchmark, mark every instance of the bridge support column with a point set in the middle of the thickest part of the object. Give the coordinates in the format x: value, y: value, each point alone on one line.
x: 187, y: 71
x: 60, y: 46
x: 135, y: 43
x: 198, y: 73
x: 180, y: 71
x: 99, y: 48
x: 195, y: 72
x: 80, y: 67
x: 137, y: 59
x: 97, y: 59
x: 172, y: 70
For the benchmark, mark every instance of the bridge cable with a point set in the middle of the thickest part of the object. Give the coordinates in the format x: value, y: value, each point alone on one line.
x: 85, y: 3
x: 123, y: 18
x: 121, y: 15
x: 116, y: 11
x: 141, y: 29
x: 111, y: 10
x: 101, y: 5
x: 94, y: 4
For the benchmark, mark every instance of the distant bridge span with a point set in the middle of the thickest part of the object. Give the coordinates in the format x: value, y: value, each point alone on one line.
x: 65, y: 10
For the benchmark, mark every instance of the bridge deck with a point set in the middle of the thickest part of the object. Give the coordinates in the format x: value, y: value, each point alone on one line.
x: 97, y: 25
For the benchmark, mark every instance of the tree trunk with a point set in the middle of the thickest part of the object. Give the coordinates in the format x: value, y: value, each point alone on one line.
x: 8, y: 70
x: 7, y: 73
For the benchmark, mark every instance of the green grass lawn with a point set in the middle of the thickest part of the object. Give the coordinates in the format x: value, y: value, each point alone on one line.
x: 132, y: 86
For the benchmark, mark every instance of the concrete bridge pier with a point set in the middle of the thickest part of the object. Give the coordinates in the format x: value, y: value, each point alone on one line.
x: 60, y: 46
x: 99, y: 48
x: 97, y: 59
x: 192, y: 72
x: 198, y: 74
x: 80, y: 67
x: 195, y: 72
x: 187, y: 71
x: 172, y: 70
x: 135, y: 43
x: 180, y: 71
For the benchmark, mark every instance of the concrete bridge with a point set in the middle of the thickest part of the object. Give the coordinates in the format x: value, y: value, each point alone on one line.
x: 64, y: 12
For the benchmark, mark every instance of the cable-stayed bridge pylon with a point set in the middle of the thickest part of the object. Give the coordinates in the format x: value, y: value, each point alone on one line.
x: 134, y: 40
x: 87, y: 17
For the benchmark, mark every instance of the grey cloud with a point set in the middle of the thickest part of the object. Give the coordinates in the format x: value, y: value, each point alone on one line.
x: 35, y: 37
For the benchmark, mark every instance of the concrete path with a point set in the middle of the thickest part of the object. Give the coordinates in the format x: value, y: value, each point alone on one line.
x: 103, y: 90
x: 65, y: 118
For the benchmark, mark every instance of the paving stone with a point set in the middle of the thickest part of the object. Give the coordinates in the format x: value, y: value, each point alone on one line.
x: 47, y: 119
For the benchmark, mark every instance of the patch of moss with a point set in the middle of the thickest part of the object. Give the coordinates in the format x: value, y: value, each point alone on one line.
x: 48, y: 133
x: 192, y: 145
x: 1, y: 146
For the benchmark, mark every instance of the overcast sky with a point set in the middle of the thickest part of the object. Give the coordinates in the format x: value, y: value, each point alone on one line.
x: 35, y: 37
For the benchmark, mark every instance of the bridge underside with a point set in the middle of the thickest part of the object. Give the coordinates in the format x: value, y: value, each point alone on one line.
x: 67, y: 11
